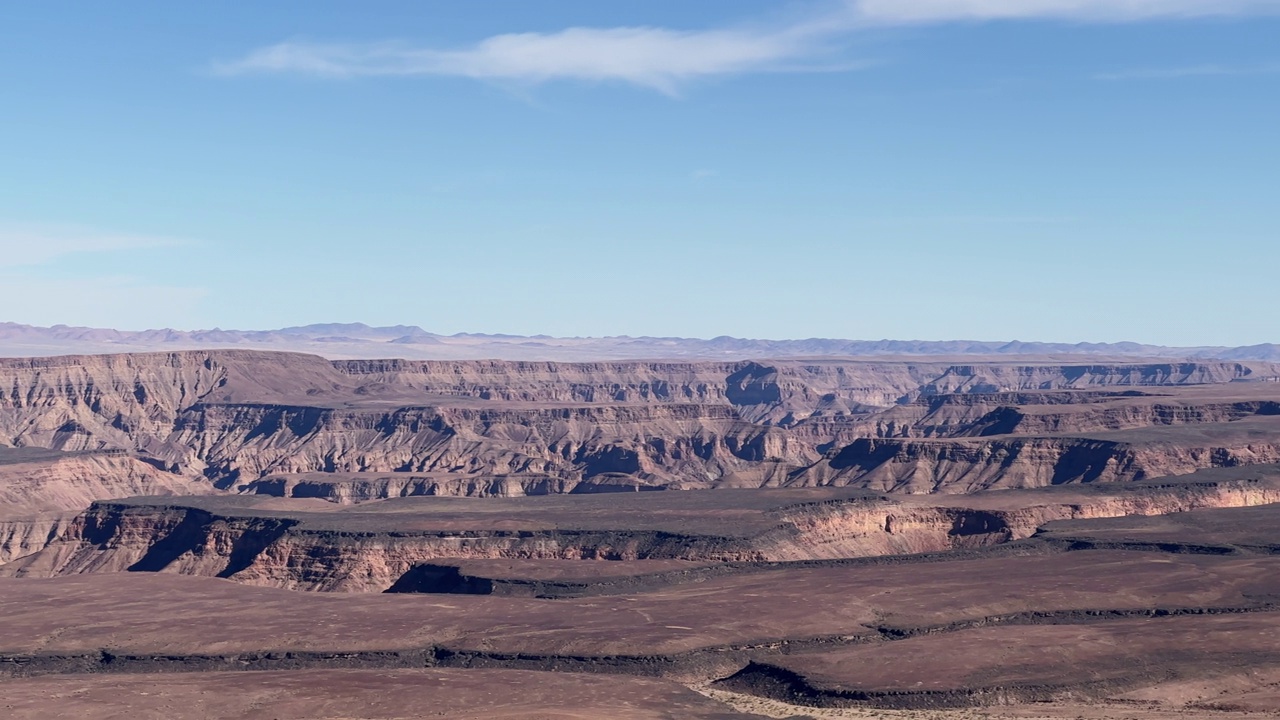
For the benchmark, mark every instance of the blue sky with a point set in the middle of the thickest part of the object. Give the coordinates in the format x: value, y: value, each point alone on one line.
x: 1061, y: 170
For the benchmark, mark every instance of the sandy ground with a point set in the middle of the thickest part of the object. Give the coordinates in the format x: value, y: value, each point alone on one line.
x: 352, y: 694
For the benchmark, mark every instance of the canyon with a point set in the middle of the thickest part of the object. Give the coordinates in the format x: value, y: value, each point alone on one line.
x: 737, y: 538
x: 236, y: 418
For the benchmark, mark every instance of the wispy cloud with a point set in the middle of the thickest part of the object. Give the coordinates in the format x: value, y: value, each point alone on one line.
x: 992, y: 219
x: 97, y: 301
x: 664, y: 59
x: 653, y: 57
x: 927, y: 11
x: 25, y: 245
x: 1190, y: 71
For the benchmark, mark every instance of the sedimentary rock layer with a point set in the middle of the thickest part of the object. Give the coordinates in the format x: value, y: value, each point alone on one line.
x: 41, y: 491
x: 382, y: 546
x: 236, y: 417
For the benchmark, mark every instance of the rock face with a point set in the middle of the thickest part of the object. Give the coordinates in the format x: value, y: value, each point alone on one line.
x: 28, y: 535
x: 359, y: 549
x: 69, y: 482
x: 262, y: 421
x: 921, y: 466
x: 41, y: 492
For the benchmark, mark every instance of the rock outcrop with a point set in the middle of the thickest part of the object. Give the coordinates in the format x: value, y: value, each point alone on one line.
x: 370, y: 548
x: 41, y: 492
x: 234, y: 418
x: 960, y: 466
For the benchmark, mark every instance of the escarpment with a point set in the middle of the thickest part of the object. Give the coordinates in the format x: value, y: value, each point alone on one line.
x: 233, y: 418
x: 62, y: 482
x: 371, y: 547
x: 968, y: 464
x: 42, y: 491
x: 29, y: 534
x: 671, y: 442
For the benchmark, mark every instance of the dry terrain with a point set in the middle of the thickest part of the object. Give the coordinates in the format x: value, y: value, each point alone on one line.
x: 246, y: 534
x: 373, y: 694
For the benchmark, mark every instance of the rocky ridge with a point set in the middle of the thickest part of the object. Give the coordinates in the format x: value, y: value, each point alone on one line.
x: 236, y: 417
x: 380, y: 547
x: 41, y: 492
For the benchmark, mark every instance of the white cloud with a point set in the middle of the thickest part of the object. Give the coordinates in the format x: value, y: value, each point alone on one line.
x: 652, y: 57
x: 663, y: 58
x: 918, y: 11
x: 25, y: 245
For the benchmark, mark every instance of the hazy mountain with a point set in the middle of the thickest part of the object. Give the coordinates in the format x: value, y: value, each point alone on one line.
x: 358, y: 340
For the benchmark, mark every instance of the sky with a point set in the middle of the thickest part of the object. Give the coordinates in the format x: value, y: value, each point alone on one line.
x: 1054, y: 170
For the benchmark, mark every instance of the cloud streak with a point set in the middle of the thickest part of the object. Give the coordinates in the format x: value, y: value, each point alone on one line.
x: 664, y: 59
x: 28, y: 245
x: 897, y: 12
x: 1192, y: 71
x: 652, y: 57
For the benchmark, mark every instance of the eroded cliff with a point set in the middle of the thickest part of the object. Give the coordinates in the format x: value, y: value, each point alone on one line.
x: 371, y: 547
x: 234, y: 418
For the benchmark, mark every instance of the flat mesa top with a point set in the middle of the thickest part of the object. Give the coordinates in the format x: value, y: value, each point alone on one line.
x: 24, y: 455
x: 722, y: 513
x: 731, y: 513
x: 1255, y: 527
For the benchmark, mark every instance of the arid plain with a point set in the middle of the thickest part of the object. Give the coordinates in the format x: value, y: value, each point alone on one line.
x: 932, y: 537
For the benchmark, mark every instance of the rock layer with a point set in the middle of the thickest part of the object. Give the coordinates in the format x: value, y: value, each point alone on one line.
x: 42, y: 492
x: 371, y: 548
x: 236, y: 417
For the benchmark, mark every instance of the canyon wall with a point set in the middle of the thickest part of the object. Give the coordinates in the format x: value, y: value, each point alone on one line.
x: 351, y: 431
x: 42, y: 492
x: 354, y: 551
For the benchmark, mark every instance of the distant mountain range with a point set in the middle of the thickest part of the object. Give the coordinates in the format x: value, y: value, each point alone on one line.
x: 357, y: 340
